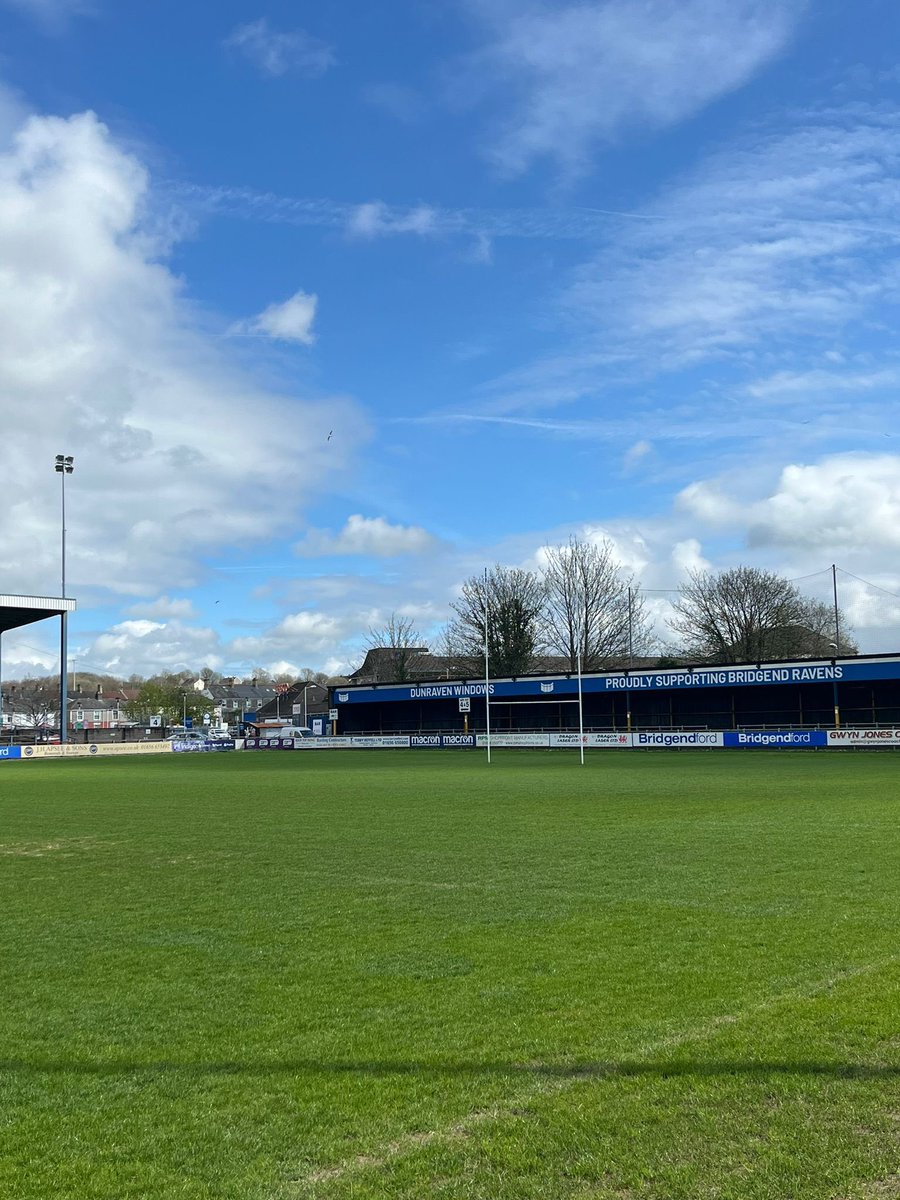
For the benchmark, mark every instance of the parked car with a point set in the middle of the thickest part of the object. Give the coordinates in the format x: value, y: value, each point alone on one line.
x: 187, y: 735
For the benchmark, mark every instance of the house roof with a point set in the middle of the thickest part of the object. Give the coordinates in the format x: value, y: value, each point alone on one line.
x: 422, y: 665
x: 240, y: 691
x: 316, y: 700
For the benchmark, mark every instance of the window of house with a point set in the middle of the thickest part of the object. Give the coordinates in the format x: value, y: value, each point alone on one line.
x: 98, y: 716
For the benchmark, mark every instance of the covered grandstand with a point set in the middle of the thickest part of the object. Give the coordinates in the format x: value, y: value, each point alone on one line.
x: 862, y: 691
x: 18, y: 611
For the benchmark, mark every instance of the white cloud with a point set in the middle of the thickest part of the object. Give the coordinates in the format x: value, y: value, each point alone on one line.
x: 300, y: 637
x: 375, y: 219
x: 845, y: 504
x: 636, y: 454
x: 372, y: 536
x: 780, y: 238
x: 819, y: 383
x: 768, y: 267
x: 164, y: 607
x: 178, y: 451
x: 277, y: 53
x: 290, y: 321
x: 150, y: 646
x: 687, y: 556
x: 579, y: 75
x: 13, y: 114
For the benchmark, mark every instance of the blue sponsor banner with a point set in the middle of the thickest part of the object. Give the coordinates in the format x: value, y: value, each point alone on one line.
x: 679, y: 679
x: 796, y: 739
x: 10, y: 752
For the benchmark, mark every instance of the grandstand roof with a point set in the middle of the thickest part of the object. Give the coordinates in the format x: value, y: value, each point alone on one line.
x: 16, y: 611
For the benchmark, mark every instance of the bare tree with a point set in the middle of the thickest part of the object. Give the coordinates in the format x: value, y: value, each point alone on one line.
x: 258, y: 677
x: 391, y: 649
x: 308, y: 675
x: 34, y: 699
x: 747, y: 614
x: 814, y: 636
x: 592, y: 606
x: 512, y: 600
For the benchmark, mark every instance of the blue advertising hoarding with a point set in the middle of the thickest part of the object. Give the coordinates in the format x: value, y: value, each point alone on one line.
x: 796, y: 739
x: 680, y: 679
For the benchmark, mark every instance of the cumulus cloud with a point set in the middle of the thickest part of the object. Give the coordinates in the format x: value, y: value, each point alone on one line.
x: 575, y: 76
x: 841, y: 504
x: 155, y: 646
x: 372, y: 536
x: 277, y: 53
x: 299, y: 637
x: 290, y: 321
x: 178, y: 451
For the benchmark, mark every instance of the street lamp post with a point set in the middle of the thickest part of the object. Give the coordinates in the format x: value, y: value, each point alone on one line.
x: 305, y: 687
x: 64, y: 465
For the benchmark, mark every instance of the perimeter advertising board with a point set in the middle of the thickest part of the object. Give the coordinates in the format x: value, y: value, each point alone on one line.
x: 96, y: 749
x: 673, y: 739
x: 774, y: 739
x: 844, y: 738
x: 616, y: 741
x: 442, y: 741
x: 510, y: 740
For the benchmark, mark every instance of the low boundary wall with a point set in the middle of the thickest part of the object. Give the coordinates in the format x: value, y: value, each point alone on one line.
x: 71, y: 750
x: 674, y: 739
x: 787, y: 739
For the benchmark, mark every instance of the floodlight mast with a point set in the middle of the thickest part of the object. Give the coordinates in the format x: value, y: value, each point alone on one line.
x: 64, y: 465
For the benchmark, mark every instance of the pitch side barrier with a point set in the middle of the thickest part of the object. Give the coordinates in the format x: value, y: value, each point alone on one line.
x: 669, y: 739
x: 107, y: 750
x: 77, y: 750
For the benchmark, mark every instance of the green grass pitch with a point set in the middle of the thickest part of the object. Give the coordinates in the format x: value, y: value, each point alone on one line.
x: 666, y: 976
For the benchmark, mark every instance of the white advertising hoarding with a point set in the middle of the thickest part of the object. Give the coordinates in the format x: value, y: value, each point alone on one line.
x: 863, y: 737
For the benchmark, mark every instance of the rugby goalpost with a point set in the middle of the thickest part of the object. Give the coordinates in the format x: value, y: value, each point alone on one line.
x: 487, y: 685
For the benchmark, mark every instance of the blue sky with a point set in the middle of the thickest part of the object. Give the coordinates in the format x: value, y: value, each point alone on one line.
x: 336, y: 304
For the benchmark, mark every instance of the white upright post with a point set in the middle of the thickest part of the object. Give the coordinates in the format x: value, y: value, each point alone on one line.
x: 64, y: 465
x: 580, y: 711
x: 487, y: 671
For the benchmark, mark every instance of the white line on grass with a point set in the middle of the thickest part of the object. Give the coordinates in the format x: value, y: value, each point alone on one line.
x: 305, y: 1185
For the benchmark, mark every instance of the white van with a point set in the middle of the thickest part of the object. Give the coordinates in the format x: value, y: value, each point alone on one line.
x: 289, y: 731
